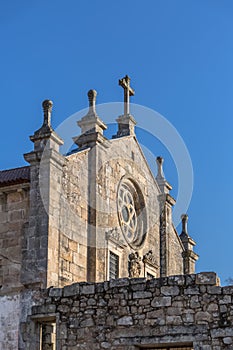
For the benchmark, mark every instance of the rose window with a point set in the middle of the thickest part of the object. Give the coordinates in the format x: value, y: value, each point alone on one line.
x: 130, y: 213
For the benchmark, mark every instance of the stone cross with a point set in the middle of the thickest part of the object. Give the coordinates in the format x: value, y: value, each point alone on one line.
x: 128, y: 91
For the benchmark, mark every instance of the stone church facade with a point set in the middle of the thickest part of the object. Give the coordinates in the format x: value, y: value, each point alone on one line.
x: 89, y: 255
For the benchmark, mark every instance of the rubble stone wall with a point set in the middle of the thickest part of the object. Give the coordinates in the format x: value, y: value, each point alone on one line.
x: 189, y: 310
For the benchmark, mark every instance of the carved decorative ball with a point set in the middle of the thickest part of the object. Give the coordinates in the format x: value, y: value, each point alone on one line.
x: 47, y: 104
x: 92, y: 94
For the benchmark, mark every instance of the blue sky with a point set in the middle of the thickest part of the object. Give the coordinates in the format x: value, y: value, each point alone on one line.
x: 179, y: 55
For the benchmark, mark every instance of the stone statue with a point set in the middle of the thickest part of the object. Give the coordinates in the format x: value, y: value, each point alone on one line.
x: 134, y: 265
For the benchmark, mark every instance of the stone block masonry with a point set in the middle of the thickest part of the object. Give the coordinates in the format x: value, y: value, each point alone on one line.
x: 192, y: 311
x: 14, y: 207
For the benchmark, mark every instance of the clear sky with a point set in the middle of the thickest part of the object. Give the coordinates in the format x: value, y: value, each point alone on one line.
x: 179, y: 55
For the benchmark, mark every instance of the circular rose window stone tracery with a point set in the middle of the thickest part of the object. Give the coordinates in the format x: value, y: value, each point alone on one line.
x: 130, y: 204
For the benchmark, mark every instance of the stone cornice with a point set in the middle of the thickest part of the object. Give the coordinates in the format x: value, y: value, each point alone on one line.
x: 35, y: 157
x: 167, y: 198
x: 90, y: 139
x: 149, y: 259
x: 47, y: 134
x: 190, y: 254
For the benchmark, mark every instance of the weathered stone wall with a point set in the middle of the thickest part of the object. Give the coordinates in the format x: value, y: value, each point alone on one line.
x: 35, y: 236
x: 41, y: 236
x: 9, y: 321
x: 175, y: 249
x: 14, y: 308
x: 14, y: 207
x: 171, y: 247
x: 74, y: 210
x: 81, y: 197
x: 189, y: 310
x: 89, y: 212
x: 124, y: 159
x: 74, y: 216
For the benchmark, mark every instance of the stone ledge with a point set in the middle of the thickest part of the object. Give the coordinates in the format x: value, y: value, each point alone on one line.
x: 207, y: 278
x: 70, y: 290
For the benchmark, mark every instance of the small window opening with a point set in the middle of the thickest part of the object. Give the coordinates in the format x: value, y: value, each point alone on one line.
x: 48, y: 336
x: 113, y: 266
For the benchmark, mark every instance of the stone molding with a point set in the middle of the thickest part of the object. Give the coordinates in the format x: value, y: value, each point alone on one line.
x: 115, y: 236
x: 150, y: 259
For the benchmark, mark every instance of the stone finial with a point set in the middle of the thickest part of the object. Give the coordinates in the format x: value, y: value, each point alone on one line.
x: 160, y: 174
x: 92, y: 127
x: 189, y: 256
x: 91, y: 121
x: 44, y: 137
x: 164, y: 186
x: 92, y: 101
x: 47, y: 108
x: 184, y: 218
